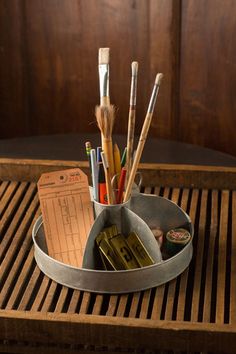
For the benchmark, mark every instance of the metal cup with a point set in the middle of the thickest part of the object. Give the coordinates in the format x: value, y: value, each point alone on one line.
x: 115, y: 208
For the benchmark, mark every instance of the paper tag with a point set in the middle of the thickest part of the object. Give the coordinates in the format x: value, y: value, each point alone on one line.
x: 67, y: 213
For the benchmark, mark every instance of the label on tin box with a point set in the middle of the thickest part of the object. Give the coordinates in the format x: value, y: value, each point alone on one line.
x: 67, y: 213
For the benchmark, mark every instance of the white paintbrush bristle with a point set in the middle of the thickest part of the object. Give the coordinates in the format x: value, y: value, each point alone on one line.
x: 104, y: 160
x: 158, y: 78
x: 103, y: 55
x: 134, y: 68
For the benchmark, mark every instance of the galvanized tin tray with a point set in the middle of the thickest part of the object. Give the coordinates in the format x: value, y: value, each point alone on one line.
x: 152, y: 212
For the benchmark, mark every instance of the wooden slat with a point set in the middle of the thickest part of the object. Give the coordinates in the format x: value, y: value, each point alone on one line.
x: 172, y: 284
x: 175, y: 195
x: 17, y: 218
x: 122, y: 305
x: 159, y: 294
x: 232, y: 318
x: 61, y: 300
x: 3, y: 188
x: 41, y: 294
x: 210, y: 257
x: 14, y: 251
x: 7, y: 196
x: 147, y: 190
x: 21, y: 280
x: 158, y: 302
x: 183, y: 296
x: 46, y: 307
x: 112, y: 305
x: 74, y: 301
x: 157, y: 190
x: 85, y: 302
x: 134, y: 304
x: 28, y: 295
x: 13, y: 205
x: 170, y: 299
x: 17, y: 256
x: 221, y: 274
x: 145, y: 304
x: 98, y: 304
x: 199, y: 258
x: 166, y: 192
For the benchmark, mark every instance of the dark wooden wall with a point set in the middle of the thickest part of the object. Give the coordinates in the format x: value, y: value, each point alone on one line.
x: 48, y: 66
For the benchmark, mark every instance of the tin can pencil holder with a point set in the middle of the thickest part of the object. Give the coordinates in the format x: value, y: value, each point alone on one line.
x: 142, y: 213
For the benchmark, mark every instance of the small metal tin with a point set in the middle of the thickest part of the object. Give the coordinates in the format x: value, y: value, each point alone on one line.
x: 158, y: 234
x: 175, y: 240
x: 155, y: 212
x: 126, y: 256
x: 139, y: 250
x: 109, y: 256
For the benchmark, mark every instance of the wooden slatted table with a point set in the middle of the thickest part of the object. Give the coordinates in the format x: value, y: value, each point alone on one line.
x: 194, y: 312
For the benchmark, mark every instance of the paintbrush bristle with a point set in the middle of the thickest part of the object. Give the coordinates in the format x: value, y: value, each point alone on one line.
x: 158, y: 79
x: 105, y: 116
x: 134, y: 68
x: 103, y: 55
x: 104, y: 160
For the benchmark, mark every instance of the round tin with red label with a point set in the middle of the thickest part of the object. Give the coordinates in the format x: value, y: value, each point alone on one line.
x: 176, y: 239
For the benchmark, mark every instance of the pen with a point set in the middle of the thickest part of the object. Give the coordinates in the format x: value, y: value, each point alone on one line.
x: 94, y: 168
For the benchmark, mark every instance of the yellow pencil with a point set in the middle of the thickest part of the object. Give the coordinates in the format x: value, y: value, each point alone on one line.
x: 117, y: 163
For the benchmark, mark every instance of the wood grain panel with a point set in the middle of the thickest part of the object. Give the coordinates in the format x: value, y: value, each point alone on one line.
x: 49, y: 78
x: 49, y: 49
x: 208, y: 75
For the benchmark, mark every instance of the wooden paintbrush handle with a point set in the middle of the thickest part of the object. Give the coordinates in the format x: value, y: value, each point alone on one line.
x: 138, y: 154
x: 130, y: 140
x: 108, y: 149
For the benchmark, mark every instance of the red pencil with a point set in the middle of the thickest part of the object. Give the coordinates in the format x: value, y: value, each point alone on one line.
x: 121, y: 185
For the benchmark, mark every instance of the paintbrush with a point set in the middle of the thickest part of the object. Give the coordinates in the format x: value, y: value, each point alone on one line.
x: 105, y: 119
x: 131, y: 121
x: 110, y: 198
x: 105, y: 113
x: 103, y: 70
x: 143, y: 136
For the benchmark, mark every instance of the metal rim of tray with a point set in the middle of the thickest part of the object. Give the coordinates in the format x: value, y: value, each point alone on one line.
x: 112, y: 282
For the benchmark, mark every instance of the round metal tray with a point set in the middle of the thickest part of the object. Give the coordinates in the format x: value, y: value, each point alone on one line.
x: 152, y: 212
